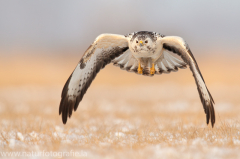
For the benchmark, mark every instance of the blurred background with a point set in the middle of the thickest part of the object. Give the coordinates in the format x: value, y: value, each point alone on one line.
x: 41, y: 41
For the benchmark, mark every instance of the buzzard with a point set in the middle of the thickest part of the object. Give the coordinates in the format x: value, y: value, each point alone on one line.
x: 143, y: 52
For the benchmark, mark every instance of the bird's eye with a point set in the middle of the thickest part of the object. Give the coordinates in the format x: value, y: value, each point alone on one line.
x: 136, y: 41
x: 146, y: 41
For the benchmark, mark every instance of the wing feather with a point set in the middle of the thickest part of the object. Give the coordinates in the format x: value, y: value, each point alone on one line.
x: 105, y: 48
x: 168, y: 63
x: 178, y: 46
x: 126, y: 62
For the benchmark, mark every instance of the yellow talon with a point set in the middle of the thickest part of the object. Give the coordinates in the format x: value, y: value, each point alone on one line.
x: 152, y: 70
x: 140, y: 68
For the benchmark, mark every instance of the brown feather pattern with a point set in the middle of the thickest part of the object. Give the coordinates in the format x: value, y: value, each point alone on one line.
x: 207, y: 105
x: 70, y: 103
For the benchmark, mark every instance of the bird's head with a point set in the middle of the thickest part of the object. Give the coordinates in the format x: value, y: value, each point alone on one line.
x: 142, y: 41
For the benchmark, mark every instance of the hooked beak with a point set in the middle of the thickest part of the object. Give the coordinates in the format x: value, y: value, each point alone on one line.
x: 140, y: 43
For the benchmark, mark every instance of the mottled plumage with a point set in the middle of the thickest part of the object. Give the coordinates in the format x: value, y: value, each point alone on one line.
x: 143, y: 52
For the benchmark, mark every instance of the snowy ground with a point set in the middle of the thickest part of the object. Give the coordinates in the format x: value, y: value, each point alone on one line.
x: 150, y: 121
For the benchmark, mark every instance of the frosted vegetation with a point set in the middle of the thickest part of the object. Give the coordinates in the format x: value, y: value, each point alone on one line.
x: 151, y: 121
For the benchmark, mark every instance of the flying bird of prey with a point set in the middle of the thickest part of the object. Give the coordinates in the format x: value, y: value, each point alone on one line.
x: 143, y: 52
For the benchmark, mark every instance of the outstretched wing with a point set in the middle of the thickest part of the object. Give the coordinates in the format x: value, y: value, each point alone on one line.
x: 126, y: 61
x: 167, y: 63
x: 178, y: 46
x: 105, y: 48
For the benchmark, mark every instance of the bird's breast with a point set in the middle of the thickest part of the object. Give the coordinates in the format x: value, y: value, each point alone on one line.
x: 148, y: 53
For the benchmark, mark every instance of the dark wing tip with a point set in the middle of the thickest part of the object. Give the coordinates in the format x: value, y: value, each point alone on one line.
x: 209, y: 111
x: 64, y: 104
x: 212, y: 113
x: 66, y: 108
x: 208, y: 106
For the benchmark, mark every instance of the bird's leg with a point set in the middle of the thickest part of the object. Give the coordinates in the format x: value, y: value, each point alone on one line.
x: 139, y: 67
x: 152, y: 69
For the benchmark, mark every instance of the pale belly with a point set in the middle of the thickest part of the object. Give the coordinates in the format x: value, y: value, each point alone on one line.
x: 147, y: 54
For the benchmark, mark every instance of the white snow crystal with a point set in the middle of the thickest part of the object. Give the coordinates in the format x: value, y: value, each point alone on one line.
x: 20, y: 136
x: 11, y: 143
x: 55, y: 135
x: 33, y: 134
x: 236, y: 141
x: 199, y: 141
x: 67, y: 141
x: 151, y: 134
x: 58, y: 129
x: 93, y: 128
x: 125, y: 129
x: 119, y: 134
